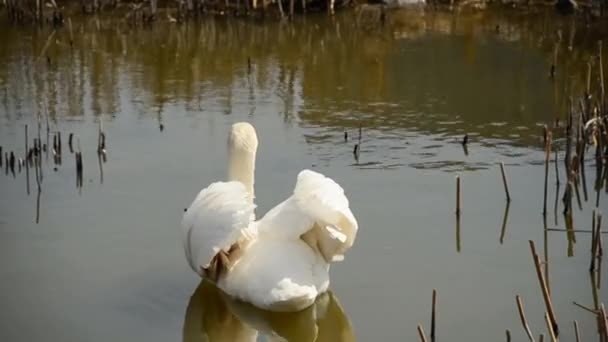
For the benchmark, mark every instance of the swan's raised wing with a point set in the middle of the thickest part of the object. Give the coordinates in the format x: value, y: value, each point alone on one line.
x: 318, y: 212
x: 220, y: 215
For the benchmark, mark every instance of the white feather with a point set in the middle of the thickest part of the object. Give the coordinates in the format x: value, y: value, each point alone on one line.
x: 316, y: 200
x: 219, y: 216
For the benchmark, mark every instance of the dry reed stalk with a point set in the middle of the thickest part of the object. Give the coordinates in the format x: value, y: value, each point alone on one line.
x: 504, y: 181
x: 522, y: 316
x: 550, y: 328
x: 543, y: 285
x: 576, y: 332
x: 421, y: 334
x: 508, y: 335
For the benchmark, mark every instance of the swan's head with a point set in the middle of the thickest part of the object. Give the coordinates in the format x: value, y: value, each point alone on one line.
x: 243, y: 138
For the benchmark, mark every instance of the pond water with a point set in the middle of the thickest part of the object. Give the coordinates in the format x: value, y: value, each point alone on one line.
x: 104, y: 261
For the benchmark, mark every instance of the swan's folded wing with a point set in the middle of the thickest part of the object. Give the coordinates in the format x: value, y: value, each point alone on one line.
x: 220, y: 215
x: 318, y: 205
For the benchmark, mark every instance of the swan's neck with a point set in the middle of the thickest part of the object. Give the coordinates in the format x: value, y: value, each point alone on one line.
x: 242, y: 168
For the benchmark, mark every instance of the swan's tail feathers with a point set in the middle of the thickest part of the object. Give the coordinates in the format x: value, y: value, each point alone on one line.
x: 219, y: 220
x: 323, y: 201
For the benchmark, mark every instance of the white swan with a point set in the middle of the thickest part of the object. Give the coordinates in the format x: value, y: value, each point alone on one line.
x: 281, y: 262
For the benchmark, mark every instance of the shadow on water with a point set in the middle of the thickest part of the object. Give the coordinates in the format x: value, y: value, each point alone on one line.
x: 213, y: 316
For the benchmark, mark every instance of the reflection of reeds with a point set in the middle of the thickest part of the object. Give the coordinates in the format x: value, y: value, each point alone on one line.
x: 458, y: 196
x: 505, y: 217
x: 504, y: 181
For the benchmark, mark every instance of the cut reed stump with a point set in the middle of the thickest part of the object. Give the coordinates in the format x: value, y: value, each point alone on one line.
x: 543, y: 286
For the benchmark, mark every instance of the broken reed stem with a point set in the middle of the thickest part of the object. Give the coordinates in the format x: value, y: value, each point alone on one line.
x: 550, y: 328
x: 504, y: 181
x: 433, y: 314
x: 547, y: 155
x: 508, y: 335
x: 522, y: 316
x: 543, y: 286
x: 458, y: 196
x: 576, y: 332
x: 421, y: 334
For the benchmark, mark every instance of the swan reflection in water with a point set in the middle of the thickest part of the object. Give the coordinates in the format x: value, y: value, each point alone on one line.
x: 215, y: 317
